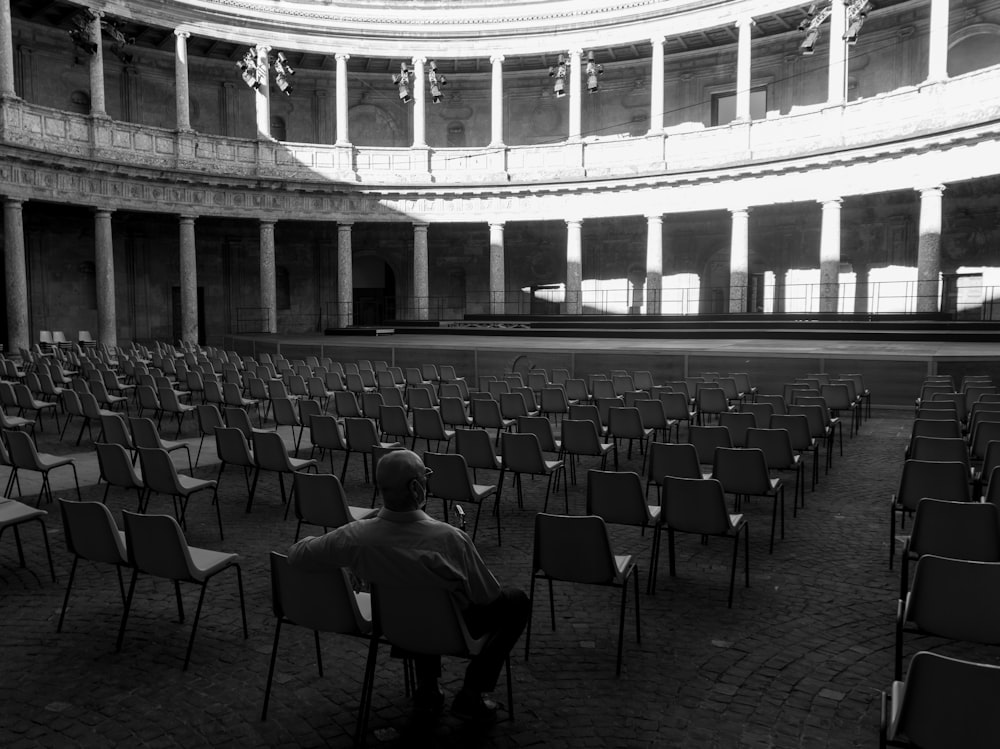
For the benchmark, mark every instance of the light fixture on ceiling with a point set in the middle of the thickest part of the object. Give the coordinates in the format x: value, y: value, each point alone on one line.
x: 402, y: 81
x: 282, y: 72
x: 593, y: 70
x: 436, y: 80
x: 811, y: 23
x: 119, y: 40
x: 250, y: 71
x: 80, y: 34
x: 857, y: 12
x: 559, y: 71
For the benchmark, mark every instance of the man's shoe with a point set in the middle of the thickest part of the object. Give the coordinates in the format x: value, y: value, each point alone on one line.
x: 428, y: 700
x: 474, y: 708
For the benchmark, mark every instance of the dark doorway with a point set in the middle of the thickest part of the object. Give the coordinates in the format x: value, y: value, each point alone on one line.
x: 176, y: 296
x: 373, y: 303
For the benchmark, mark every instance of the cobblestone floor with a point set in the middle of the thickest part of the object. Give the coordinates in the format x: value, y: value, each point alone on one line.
x: 797, y: 662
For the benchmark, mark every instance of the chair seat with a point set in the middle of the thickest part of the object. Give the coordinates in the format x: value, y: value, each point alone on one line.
x: 654, y: 513
x: 365, y: 609
x: 13, y: 512
x: 47, y: 461
x: 623, y: 564
x: 551, y: 465
x: 299, y: 463
x: 169, y: 445
x: 736, y: 520
x: 191, y: 484
x: 207, y: 562
x: 362, y: 513
x: 483, y: 490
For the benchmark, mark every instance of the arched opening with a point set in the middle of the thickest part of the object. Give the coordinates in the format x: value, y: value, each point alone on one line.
x: 974, y: 48
x: 374, y: 290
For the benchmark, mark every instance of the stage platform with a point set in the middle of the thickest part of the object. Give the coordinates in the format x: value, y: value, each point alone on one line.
x: 893, y: 369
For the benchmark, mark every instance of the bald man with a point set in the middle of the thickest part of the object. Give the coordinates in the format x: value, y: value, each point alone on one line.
x: 403, y: 545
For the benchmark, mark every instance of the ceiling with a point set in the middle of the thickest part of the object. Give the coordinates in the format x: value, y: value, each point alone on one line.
x: 59, y: 14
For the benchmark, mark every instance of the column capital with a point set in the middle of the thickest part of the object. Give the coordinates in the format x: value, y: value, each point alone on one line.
x: 103, y: 211
x: 344, y: 225
x: 494, y: 59
x: 342, y: 56
x: 654, y: 217
x: 497, y: 224
x: 419, y: 60
x: 13, y: 202
x: 658, y: 39
x: 420, y: 226
x: 836, y: 201
x: 939, y: 189
x: 578, y: 52
x: 574, y: 222
x: 745, y: 21
x: 263, y: 49
x: 742, y: 209
x: 187, y: 218
x: 182, y: 34
x: 268, y: 221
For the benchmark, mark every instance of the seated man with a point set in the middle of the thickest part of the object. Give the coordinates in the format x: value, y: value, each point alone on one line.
x: 404, y: 545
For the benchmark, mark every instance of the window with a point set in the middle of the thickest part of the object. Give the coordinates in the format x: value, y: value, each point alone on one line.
x: 724, y: 106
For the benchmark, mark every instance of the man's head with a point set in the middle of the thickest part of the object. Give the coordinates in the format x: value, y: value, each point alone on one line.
x: 402, y: 479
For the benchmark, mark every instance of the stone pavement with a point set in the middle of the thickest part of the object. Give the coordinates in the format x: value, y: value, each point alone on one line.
x: 797, y: 662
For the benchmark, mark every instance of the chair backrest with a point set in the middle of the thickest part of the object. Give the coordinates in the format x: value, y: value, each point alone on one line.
x: 951, y: 598
x: 453, y: 411
x: 327, y: 434
x: 322, y: 601
x: 712, y: 400
x: 579, y: 437
x: 706, y: 439
x: 115, y: 466
x: 651, y: 414
x: 144, y: 432
x: 156, y: 546
x: 818, y: 418
x: 522, y: 452
x: 427, y: 424
x: 91, y: 532
x: 960, y: 530
x: 625, y: 422
x: 320, y: 500
x: 232, y: 447
x: 946, y: 480
x: 738, y: 423
x: 777, y: 401
x: 695, y: 505
x: 476, y: 446
x: 346, y: 404
x: 393, y: 421
x: 575, y: 548
x: 776, y: 445
x: 678, y: 459
x: 208, y: 417
x: 361, y: 434
x: 984, y: 433
x: 585, y: 412
x: 269, y: 451
x: 949, y: 702
x: 158, y: 470
x: 22, y: 450
x: 940, y: 449
x: 742, y: 470
x: 421, y: 619
x: 617, y: 497
x: 541, y: 427
x: 422, y: 396
x: 450, y: 479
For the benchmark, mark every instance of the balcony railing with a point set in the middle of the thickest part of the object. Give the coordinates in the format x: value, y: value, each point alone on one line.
x: 964, y: 101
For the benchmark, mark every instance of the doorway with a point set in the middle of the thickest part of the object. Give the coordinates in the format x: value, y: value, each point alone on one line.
x: 374, y: 291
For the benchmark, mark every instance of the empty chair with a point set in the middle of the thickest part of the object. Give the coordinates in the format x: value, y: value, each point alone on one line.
x: 269, y: 454
x: 925, y: 478
x: 144, y: 434
x: 779, y: 455
x: 116, y: 469
x: 320, y: 500
x: 450, y: 482
x: 160, y: 476
x: 156, y: 546
x: 944, y: 702
x: 394, y: 423
x: 26, y: 402
x: 678, y: 459
x: 588, y: 412
x: 232, y: 397
x: 476, y: 447
x: 554, y: 402
x: 362, y: 437
x: 706, y: 439
x: 91, y: 535
x: 777, y: 402
x: 677, y: 408
x: 321, y: 601
x: 838, y: 398
x: 653, y: 416
x: 14, y: 514
x: 541, y: 428
x: 170, y: 404
x: 486, y: 415
x: 577, y: 549
x: 580, y: 437
x: 625, y: 423
x: 711, y: 400
x: 738, y: 423
x: 24, y: 456
x: 514, y: 405
x: 345, y: 404
x: 522, y: 454
x: 284, y: 415
x: 617, y: 497
x: 233, y: 449
x: 698, y: 506
x: 743, y: 473
x: 761, y: 411
x: 453, y: 413
x: 427, y: 425
x: 208, y: 419
x: 328, y: 435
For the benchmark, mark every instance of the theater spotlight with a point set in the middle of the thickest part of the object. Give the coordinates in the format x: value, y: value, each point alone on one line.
x: 436, y: 80
x: 857, y: 12
x: 249, y: 70
x: 811, y: 23
x: 119, y: 41
x: 593, y: 70
x: 402, y: 81
x: 560, y: 72
x: 282, y: 72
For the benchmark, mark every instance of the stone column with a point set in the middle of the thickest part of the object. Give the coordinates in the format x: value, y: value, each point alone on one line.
x: 343, y: 138
x: 837, y: 68
x: 6, y: 52
x: 419, y: 113
x: 937, y: 53
x: 268, y: 284
x: 15, y: 269
x: 654, y: 264
x: 739, y: 260
x: 104, y: 270
x: 829, y: 255
x: 656, y: 102
x: 574, y: 266
x: 262, y: 100
x: 743, y: 79
x: 188, y: 281
x: 97, y: 105
x: 345, y: 276
x: 574, y: 89
x: 181, y: 80
x: 421, y: 273
x: 498, y: 296
x: 929, y: 249
x: 496, y: 102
